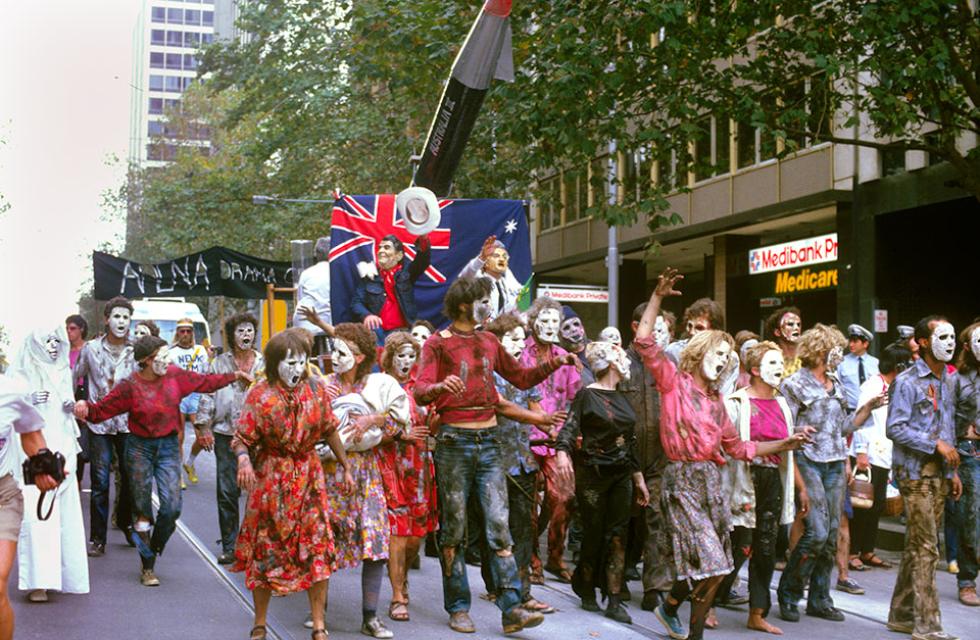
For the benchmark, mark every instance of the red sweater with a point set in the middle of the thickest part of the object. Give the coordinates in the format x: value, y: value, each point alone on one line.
x: 473, y: 357
x: 154, y: 407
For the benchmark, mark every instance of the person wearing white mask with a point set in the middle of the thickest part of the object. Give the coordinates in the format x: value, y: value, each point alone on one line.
x: 152, y: 397
x: 921, y: 426
x: 968, y: 446
x: 51, y: 552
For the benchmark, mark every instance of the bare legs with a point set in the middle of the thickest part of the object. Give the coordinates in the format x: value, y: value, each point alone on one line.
x: 318, y: 603
x: 8, y: 553
x: 402, y: 550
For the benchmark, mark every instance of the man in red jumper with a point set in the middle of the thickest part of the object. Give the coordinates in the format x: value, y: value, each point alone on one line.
x: 152, y: 398
x: 456, y: 378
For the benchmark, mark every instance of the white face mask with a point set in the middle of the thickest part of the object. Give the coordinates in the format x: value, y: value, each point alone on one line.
x: 482, y: 309
x: 715, y: 361
x: 611, y: 335
x: 661, y: 332
x: 244, y: 335
x: 141, y: 331
x: 834, y: 357
x: 513, y: 341
x: 342, y: 357
x: 975, y: 343
x: 404, y: 360
x: 572, y: 331
x: 292, y: 368
x: 421, y: 333
x: 790, y: 327
x: 546, y: 326
x: 161, y: 361
x: 119, y: 321
x: 53, y: 346
x: 943, y: 341
x: 771, y: 368
x: 602, y: 355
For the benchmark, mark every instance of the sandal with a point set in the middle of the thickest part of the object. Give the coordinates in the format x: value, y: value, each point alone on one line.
x: 320, y: 633
x: 537, y: 605
x: 260, y: 628
x: 875, y: 561
x: 855, y: 564
x: 398, y: 611
x: 561, y: 574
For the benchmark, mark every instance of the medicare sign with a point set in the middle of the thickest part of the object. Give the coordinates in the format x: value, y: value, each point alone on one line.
x: 789, y: 255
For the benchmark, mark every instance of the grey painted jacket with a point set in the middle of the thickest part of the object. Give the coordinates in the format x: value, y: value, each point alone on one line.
x: 220, y: 410
x: 97, y: 364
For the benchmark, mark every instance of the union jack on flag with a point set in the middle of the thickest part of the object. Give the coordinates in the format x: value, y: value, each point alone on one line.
x: 358, y: 223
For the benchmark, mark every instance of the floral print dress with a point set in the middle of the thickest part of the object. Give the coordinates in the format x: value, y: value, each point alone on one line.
x: 359, y: 520
x: 409, y: 480
x: 285, y: 543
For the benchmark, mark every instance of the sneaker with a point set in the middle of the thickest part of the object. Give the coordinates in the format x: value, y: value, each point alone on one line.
x: 96, y: 550
x: 733, y: 598
x: 968, y: 596
x: 183, y: 485
x: 830, y: 613
x: 953, y: 567
x: 149, y: 579
x: 789, y: 612
x: 191, y: 472
x: 850, y: 586
x: 461, y: 622
x: 671, y: 623
x: 228, y: 558
x: 308, y: 623
x: 520, y: 618
x: 374, y: 628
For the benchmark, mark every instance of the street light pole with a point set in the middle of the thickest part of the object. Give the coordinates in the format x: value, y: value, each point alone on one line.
x: 262, y: 200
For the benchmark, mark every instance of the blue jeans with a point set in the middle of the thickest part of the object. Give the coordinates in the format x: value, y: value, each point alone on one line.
x: 467, y: 461
x: 101, y: 448
x: 969, y: 514
x: 149, y: 460
x: 813, y: 557
x: 227, y: 492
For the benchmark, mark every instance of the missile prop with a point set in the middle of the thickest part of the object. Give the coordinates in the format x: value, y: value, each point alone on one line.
x: 486, y: 54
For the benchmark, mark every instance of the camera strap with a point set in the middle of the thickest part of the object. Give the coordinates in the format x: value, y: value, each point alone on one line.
x: 40, y: 499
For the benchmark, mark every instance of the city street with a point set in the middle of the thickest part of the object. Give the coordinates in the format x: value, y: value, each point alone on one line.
x: 199, y: 599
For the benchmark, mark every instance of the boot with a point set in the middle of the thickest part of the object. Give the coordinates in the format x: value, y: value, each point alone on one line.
x: 615, y: 610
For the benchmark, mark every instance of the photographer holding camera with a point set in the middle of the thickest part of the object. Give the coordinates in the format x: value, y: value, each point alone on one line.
x: 17, y: 414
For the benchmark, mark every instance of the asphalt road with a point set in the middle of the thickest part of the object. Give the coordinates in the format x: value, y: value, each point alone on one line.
x: 199, y: 599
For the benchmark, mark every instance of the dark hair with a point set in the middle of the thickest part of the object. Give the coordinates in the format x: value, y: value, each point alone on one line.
x: 923, y: 328
x: 424, y: 323
x: 149, y: 324
x: 894, y: 358
x: 393, y: 344
x: 79, y: 322
x: 395, y: 242
x: 504, y: 323
x: 967, y: 360
x: 706, y: 307
x: 232, y: 323
x: 292, y: 339
x: 776, y: 318
x: 464, y: 291
x: 362, y: 338
x: 146, y: 347
x: 118, y: 301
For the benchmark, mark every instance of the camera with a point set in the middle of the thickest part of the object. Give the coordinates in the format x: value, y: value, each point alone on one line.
x: 44, y: 462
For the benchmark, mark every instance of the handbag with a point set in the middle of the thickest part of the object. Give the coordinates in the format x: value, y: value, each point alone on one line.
x: 861, y: 490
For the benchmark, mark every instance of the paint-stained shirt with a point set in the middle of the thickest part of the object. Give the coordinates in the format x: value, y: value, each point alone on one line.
x: 557, y: 391
x: 473, y: 357
x: 103, y: 368
x: 515, y: 437
x: 812, y: 405
x: 694, y: 425
x: 967, y: 402
x: 220, y: 410
x: 921, y: 410
x: 154, y: 406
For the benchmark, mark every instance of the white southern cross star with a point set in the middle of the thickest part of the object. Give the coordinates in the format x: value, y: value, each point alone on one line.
x: 511, y: 226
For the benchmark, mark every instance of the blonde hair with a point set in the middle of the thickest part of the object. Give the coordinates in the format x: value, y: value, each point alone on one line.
x: 699, y: 346
x: 755, y: 353
x: 393, y: 344
x: 816, y: 343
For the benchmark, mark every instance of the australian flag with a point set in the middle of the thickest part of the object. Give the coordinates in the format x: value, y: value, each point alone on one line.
x: 358, y: 224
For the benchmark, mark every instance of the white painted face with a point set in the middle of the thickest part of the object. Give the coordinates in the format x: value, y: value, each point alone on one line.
x: 834, y: 357
x: 342, y: 357
x: 421, y: 333
x: 661, y: 332
x: 161, y: 360
x: 715, y: 361
x: 141, y: 331
x: 975, y: 343
x: 119, y: 321
x: 546, y: 325
x: 52, y: 344
x: 513, y: 341
x: 602, y: 355
x: 404, y: 360
x: 292, y: 368
x: 244, y: 336
x: 611, y: 335
x: 943, y: 341
x: 482, y: 309
x: 771, y: 368
x: 790, y: 327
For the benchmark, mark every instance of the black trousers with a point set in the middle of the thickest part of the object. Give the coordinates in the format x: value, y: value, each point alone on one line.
x: 864, y: 524
x: 604, y: 496
x: 758, y: 545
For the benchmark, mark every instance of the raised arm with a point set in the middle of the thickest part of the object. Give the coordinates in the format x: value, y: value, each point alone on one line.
x: 423, y: 258
x: 117, y: 402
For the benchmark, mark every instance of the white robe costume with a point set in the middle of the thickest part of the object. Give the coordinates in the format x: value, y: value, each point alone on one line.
x: 51, y: 553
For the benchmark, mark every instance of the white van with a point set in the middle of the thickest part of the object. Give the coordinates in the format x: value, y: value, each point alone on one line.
x: 166, y: 312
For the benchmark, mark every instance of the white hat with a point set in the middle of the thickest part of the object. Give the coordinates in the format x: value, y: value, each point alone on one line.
x: 418, y: 221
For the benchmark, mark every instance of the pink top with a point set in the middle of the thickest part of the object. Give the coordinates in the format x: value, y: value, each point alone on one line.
x: 767, y: 423
x: 694, y: 425
x: 557, y: 391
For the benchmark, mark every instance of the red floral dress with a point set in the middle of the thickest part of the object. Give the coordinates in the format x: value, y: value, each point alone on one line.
x: 285, y: 543
x: 409, y: 480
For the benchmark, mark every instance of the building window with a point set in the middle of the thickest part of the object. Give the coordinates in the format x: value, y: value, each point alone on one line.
x: 190, y: 62
x: 173, y: 61
x: 173, y: 84
x: 599, y: 181
x: 550, y: 209
x: 572, y: 209
x: 175, y: 16
x: 207, y: 38
x: 158, y: 14
x: 892, y: 162
x: 174, y: 38
x: 747, y: 144
x: 208, y: 18
x: 187, y: 82
x: 712, y: 155
x: 157, y: 36
x: 156, y: 60
x: 171, y: 104
x: 156, y: 105
x: 154, y: 128
x: 192, y: 16
x: 192, y: 40
x: 156, y: 83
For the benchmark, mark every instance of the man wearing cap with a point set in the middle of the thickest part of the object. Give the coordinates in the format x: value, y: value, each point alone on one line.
x: 492, y: 263
x: 858, y: 365
x: 190, y: 357
x: 313, y: 292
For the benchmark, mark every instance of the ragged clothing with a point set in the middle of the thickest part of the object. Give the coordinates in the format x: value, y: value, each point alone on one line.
x: 556, y: 391
x: 103, y: 364
x: 604, y: 419
x: 826, y: 411
x: 220, y: 410
x: 921, y: 408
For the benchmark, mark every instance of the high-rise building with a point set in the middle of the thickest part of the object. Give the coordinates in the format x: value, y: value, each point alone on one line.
x: 166, y: 40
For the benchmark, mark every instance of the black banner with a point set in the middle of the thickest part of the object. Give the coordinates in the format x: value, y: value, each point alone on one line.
x: 213, y: 272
